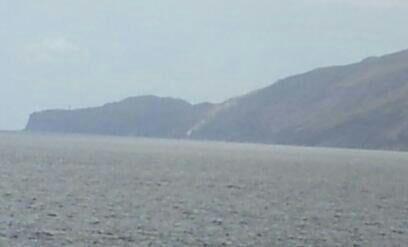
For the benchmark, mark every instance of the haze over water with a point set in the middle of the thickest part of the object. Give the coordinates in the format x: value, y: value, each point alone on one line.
x: 62, y: 54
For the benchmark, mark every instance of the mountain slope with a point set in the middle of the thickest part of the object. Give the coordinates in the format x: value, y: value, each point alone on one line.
x: 147, y: 116
x: 360, y: 105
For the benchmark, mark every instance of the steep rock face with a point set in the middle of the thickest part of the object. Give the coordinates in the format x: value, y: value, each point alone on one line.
x: 362, y: 105
x: 147, y: 116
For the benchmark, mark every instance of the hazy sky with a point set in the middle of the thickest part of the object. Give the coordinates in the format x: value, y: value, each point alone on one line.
x: 74, y: 53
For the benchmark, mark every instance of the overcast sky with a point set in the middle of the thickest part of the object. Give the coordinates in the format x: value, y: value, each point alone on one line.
x: 75, y: 53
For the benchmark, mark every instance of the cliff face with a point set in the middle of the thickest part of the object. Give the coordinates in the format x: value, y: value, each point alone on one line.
x: 362, y: 105
x: 147, y: 116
